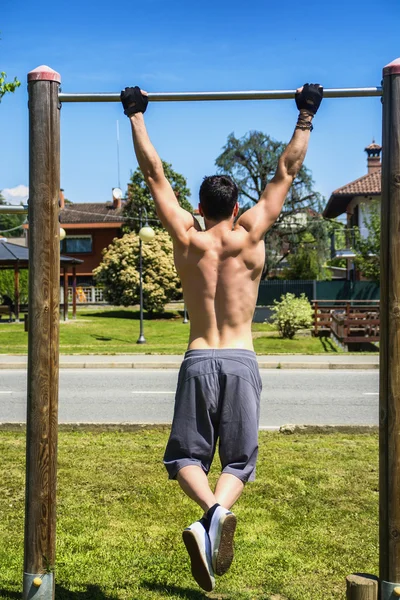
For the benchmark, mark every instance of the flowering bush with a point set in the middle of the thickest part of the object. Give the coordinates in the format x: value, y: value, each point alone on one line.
x: 291, y: 314
x: 119, y: 272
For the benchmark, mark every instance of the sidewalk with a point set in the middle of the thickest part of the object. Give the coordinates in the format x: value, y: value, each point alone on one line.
x: 155, y: 361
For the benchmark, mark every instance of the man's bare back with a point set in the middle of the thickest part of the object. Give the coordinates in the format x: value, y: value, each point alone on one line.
x: 220, y: 271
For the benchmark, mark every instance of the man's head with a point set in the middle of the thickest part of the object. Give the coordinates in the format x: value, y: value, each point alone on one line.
x: 218, y: 198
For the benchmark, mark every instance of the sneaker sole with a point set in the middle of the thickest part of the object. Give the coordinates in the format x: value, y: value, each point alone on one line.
x: 223, y: 556
x: 200, y: 570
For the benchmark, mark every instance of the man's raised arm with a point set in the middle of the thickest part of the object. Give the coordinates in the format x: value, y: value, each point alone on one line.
x: 262, y: 216
x: 176, y: 220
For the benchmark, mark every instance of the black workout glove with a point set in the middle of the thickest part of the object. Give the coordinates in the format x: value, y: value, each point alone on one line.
x: 310, y: 97
x: 133, y: 101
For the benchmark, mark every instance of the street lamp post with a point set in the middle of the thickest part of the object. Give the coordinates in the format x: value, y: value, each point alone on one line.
x: 185, y: 317
x: 146, y: 233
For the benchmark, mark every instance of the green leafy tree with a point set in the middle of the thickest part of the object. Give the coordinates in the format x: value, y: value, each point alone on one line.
x: 8, y: 222
x: 119, y: 272
x: 139, y: 196
x: 305, y: 262
x: 291, y: 314
x: 7, y: 286
x: 367, y: 248
x: 251, y: 161
x: 7, y: 87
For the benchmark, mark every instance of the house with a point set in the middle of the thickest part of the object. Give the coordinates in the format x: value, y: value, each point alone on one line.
x: 90, y: 227
x: 354, y: 200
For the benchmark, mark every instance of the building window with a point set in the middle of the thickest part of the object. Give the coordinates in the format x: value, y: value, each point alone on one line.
x: 76, y: 244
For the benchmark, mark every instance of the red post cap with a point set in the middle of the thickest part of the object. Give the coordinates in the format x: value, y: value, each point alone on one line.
x: 392, y: 68
x: 44, y: 73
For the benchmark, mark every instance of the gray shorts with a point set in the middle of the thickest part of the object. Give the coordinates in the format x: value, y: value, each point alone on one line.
x: 218, y: 397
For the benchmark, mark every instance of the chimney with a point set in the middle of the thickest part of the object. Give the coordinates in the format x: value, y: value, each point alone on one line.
x: 374, y: 160
x: 117, y: 198
x: 61, y: 199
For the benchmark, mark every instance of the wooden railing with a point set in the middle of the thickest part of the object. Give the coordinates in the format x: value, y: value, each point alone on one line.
x: 356, y: 326
x: 325, y: 309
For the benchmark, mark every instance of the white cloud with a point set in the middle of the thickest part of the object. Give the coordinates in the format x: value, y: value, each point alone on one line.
x: 16, y: 195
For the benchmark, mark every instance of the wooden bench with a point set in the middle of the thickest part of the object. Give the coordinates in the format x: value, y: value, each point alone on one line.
x: 5, y: 310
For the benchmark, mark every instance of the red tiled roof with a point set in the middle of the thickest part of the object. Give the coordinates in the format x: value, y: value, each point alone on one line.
x: 367, y: 185
x: 91, y: 212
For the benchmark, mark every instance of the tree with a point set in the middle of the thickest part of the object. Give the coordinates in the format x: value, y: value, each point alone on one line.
x: 367, y: 248
x: 7, y: 286
x: 9, y: 87
x: 305, y: 262
x: 119, y: 272
x: 139, y: 196
x: 8, y: 222
x: 251, y: 161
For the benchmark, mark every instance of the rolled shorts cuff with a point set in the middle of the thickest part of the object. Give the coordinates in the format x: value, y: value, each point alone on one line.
x: 174, y: 466
x: 244, y: 476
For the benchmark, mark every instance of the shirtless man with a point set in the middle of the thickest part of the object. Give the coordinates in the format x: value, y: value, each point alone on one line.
x: 219, y: 385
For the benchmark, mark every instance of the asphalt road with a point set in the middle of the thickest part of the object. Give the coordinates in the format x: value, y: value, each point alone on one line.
x: 147, y: 396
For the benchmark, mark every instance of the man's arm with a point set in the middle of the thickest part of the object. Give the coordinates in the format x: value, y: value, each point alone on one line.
x: 262, y: 216
x: 176, y: 220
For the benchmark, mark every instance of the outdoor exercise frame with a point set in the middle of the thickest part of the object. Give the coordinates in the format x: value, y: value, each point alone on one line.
x: 45, y: 101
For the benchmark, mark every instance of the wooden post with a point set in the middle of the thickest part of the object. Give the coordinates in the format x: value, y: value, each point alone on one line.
x: 316, y: 317
x: 16, y: 292
x: 389, y: 401
x: 43, y: 335
x: 362, y: 587
x: 74, y: 292
x: 65, y: 307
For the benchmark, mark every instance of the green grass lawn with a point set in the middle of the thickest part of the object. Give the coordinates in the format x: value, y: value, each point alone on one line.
x: 310, y: 519
x: 115, y: 331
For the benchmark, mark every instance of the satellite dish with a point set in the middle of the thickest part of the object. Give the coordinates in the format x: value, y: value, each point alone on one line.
x: 117, y: 193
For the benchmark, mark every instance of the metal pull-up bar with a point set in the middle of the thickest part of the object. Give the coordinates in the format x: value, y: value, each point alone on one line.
x: 239, y: 95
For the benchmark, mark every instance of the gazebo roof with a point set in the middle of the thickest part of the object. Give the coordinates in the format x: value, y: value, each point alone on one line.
x: 13, y: 254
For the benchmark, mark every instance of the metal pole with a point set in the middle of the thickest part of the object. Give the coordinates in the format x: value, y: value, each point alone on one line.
x: 16, y: 292
x: 207, y: 96
x: 141, y: 338
x: 185, y: 318
x: 44, y: 281
x: 389, y: 401
x: 65, y: 306
x: 14, y: 210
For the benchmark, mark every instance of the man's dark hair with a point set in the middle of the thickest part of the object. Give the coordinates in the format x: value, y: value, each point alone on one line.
x: 218, y: 196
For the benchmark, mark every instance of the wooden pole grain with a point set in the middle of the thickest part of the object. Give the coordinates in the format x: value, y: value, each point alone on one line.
x: 43, y: 335
x: 389, y: 396
x: 362, y: 587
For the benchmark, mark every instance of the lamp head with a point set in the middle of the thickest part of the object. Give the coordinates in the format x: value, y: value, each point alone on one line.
x: 146, y: 233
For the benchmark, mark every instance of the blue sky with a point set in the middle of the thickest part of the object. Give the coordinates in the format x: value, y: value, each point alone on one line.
x: 104, y: 46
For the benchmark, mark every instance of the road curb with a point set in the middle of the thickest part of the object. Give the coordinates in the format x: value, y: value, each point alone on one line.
x: 170, y: 365
x: 127, y: 427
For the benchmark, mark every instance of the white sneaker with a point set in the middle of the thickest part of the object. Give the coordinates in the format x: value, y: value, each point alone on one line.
x: 221, y: 532
x: 198, y: 546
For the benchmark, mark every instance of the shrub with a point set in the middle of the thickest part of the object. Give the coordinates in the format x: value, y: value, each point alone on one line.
x: 291, y: 314
x: 119, y: 272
